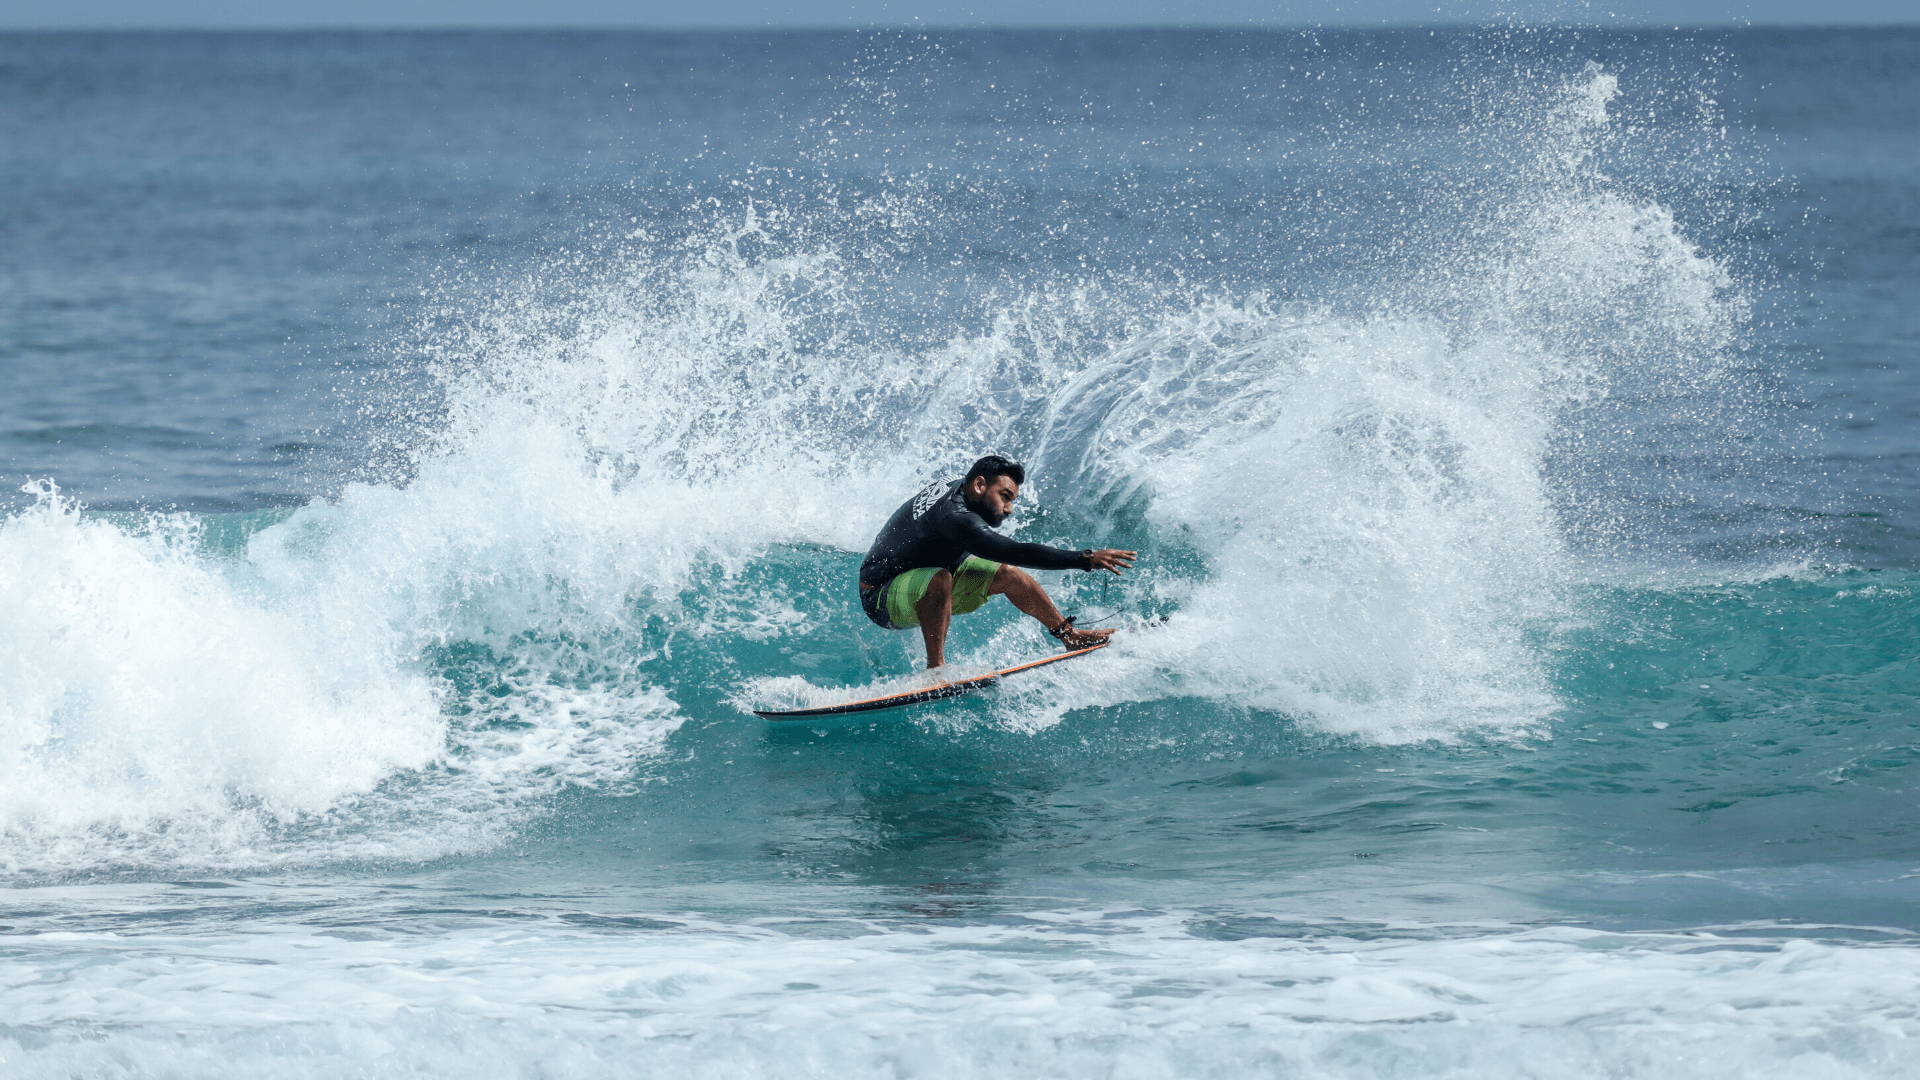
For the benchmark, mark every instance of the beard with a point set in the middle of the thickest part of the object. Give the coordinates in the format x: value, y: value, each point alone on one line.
x: 986, y: 512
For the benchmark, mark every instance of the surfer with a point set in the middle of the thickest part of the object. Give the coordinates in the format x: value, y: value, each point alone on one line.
x: 938, y: 557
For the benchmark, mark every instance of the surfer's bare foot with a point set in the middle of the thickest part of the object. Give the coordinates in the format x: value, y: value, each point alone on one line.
x: 1074, y: 638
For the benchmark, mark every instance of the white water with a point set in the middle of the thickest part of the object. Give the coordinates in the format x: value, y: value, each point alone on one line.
x: 144, y: 697
x: 1118, y: 995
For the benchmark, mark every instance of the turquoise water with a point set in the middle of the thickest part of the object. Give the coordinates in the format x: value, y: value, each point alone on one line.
x: 434, y: 446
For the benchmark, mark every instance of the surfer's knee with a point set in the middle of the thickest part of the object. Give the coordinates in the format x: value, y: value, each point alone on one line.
x: 939, y: 586
x: 1012, y: 579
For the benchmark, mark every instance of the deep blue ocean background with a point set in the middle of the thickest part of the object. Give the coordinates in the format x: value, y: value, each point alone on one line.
x: 421, y: 451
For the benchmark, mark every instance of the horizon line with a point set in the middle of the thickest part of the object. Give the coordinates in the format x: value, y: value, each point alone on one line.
x: 943, y: 28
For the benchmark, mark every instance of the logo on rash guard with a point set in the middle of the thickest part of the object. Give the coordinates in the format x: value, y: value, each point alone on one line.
x: 929, y: 495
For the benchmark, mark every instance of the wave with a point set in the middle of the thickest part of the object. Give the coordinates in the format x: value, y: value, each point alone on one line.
x: 644, y: 453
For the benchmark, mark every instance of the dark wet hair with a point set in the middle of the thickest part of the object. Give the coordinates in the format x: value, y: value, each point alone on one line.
x: 993, y: 465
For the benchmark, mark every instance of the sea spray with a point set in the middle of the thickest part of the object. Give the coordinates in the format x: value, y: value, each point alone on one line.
x: 1381, y: 498
x: 1353, y: 507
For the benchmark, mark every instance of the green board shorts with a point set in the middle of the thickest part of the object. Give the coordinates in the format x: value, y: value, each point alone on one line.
x: 894, y: 604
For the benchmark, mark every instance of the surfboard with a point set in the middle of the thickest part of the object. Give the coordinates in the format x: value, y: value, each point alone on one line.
x: 923, y: 694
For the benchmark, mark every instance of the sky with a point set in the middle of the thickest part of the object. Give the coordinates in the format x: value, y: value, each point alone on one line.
x: 761, y: 14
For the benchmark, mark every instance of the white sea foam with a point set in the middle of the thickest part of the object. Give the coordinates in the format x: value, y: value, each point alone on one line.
x: 145, y: 698
x: 168, y: 706
x: 1065, y: 994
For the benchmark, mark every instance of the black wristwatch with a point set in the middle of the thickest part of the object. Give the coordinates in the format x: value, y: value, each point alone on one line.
x: 1087, y: 554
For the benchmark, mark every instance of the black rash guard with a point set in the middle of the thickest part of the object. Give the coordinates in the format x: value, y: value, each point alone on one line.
x: 938, y: 528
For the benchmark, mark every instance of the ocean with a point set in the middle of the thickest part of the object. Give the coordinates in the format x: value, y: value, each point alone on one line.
x: 422, y: 451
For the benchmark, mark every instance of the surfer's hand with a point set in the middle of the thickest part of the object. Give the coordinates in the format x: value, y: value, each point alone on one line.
x: 1112, y: 560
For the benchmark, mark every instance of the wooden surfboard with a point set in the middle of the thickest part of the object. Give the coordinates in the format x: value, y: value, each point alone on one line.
x: 923, y: 694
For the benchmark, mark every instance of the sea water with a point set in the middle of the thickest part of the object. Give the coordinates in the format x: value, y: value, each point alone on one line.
x: 422, y: 450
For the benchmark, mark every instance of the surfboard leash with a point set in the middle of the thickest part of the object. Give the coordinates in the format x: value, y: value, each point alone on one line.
x: 1106, y: 589
x: 1106, y: 586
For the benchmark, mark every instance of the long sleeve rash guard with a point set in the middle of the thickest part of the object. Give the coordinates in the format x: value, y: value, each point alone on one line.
x: 938, y: 528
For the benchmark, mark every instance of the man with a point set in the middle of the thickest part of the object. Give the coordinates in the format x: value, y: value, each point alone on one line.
x: 938, y: 557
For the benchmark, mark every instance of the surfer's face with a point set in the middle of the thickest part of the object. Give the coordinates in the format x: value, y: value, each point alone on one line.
x: 993, y: 499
